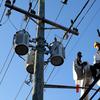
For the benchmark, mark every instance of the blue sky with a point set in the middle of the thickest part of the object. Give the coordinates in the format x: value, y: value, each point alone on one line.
x: 62, y: 74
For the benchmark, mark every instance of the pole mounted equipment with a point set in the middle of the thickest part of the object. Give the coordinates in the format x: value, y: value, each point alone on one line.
x: 30, y: 62
x: 21, y: 42
x: 57, y: 53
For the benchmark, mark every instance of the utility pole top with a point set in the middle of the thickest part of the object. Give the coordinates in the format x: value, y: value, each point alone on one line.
x: 43, y: 19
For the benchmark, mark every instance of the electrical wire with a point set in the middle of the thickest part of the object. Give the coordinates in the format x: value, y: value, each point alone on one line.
x: 95, y: 93
x: 76, y: 18
x: 6, y: 60
x: 35, y: 4
x: 3, y: 23
x: 1, y: 3
x: 29, y: 93
x: 86, y: 13
x: 80, y: 21
x: 50, y: 75
x: 20, y: 88
x: 3, y: 14
x: 12, y: 24
x: 84, y: 31
x: 29, y: 10
x: 7, y: 69
x: 73, y: 24
x: 59, y: 13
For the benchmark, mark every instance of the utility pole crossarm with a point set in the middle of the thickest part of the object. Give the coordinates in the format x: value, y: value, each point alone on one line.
x: 42, y: 19
x: 65, y: 87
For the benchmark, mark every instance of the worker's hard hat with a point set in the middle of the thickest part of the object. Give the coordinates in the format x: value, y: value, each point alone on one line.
x: 96, y: 45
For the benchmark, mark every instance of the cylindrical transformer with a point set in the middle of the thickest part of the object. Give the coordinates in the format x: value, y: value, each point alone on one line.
x: 21, y: 42
x: 30, y: 62
x: 57, y: 53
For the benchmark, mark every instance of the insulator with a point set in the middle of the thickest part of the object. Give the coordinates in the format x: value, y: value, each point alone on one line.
x: 33, y: 11
x: 21, y: 42
x: 57, y: 53
x: 30, y: 62
x: 8, y: 12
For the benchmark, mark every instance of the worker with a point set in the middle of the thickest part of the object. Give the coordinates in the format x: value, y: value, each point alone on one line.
x: 96, y: 67
x: 78, y: 71
x: 78, y: 66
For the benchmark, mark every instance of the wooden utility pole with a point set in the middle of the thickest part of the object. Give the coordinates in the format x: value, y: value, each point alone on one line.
x: 39, y: 57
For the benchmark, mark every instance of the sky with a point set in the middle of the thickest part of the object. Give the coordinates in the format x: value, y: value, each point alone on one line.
x: 62, y: 75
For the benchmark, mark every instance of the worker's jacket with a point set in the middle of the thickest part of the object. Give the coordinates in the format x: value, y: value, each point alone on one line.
x: 97, y: 61
x: 97, y: 57
x: 97, y: 64
x: 78, y: 70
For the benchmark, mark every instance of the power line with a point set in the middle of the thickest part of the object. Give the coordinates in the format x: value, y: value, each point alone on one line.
x: 6, y: 60
x: 7, y: 68
x: 12, y: 24
x: 29, y: 10
x: 76, y: 18
x: 95, y: 93
x: 88, y: 25
x: 35, y: 4
x: 20, y: 88
x: 3, y: 14
x: 50, y: 75
x: 75, y: 21
x: 81, y: 21
x: 29, y: 93
x: 59, y: 12
x: 78, y: 24
x: 1, y: 3
x: 3, y: 23
x: 86, y: 13
x: 56, y: 18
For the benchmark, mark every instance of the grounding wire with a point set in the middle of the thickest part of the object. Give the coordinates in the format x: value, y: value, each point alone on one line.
x: 6, y: 60
x: 7, y: 68
x: 21, y: 86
